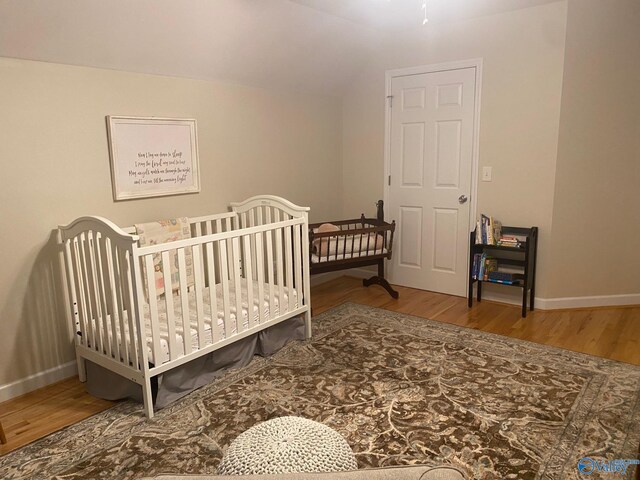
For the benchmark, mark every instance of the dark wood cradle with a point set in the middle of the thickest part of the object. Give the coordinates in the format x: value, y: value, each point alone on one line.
x: 353, y: 247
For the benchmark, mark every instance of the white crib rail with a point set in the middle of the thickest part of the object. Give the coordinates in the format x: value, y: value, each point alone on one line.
x: 226, y: 264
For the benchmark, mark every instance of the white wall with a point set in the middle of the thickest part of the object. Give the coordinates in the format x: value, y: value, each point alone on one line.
x: 523, y: 53
x: 596, y: 212
x: 55, y: 167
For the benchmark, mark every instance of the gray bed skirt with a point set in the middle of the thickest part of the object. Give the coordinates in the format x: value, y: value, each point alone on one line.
x: 179, y: 381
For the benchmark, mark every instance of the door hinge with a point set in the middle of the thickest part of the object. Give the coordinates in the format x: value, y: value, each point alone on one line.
x: 390, y: 97
x: 389, y: 180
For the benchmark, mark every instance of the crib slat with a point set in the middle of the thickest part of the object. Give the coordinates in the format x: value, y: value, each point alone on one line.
x: 71, y: 285
x: 158, y: 355
x: 184, y: 298
x: 198, y: 277
x: 118, y: 303
x: 101, y: 314
x: 93, y: 281
x: 260, y: 276
x: 235, y: 258
x: 135, y: 352
x: 90, y: 273
x: 279, y: 268
x: 206, y: 230
x: 252, y: 223
x: 81, y: 297
x: 228, y: 224
x: 270, y: 273
x: 101, y: 263
x: 288, y: 252
x: 171, y: 313
x: 86, y: 274
x: 224, y: 279
x: 108, y: 264
x: 213, y: 301
x: 297, y: 261
x: 248, y: 275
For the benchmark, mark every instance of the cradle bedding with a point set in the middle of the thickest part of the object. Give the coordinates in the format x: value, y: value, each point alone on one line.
x: 220, y: 324
x: 143, y: 307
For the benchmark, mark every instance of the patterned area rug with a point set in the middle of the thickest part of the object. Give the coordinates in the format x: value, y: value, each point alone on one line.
x: 400, y: 389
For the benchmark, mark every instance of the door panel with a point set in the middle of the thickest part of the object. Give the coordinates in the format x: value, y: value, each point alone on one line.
x: 447, y: 157
x: 432, y: 128
x: 410, y: 235
x: 445, y: 223
x: 412, y: 154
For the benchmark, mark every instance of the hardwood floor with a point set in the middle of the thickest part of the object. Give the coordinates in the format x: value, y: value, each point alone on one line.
x: 41, y: 412
x: 605, y: 332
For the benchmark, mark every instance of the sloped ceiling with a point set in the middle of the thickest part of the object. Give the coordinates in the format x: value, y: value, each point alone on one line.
x: 301, y: 45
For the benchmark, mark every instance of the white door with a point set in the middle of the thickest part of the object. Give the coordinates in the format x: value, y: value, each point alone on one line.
x: 431, y: 157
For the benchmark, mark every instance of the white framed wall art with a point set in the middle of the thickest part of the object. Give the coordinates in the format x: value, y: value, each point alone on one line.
x: 152, y: 157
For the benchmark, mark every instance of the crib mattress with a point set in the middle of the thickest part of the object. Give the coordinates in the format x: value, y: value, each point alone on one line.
x: 220, y: 323
x: 361, y: 254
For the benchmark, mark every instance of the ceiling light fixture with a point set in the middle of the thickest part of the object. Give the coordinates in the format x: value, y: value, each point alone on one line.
x: 424, y: 11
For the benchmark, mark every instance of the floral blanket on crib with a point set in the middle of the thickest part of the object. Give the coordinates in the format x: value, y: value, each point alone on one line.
x: 164, y: 231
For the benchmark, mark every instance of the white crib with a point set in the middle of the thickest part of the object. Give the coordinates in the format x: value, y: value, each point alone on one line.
x: 253, y: 260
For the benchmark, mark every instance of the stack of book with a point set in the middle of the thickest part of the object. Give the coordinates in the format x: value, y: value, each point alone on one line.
x: 504, y: 277
x: 510, y: 241
x: 483, y: 265
x: 488, y: 230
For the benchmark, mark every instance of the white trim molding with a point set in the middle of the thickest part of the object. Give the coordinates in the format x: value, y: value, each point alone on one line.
x: 38, y: 380
x: 586, y: 302
x: 566, y: 302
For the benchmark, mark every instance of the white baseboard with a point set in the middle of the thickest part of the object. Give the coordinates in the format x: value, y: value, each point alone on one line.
x: 587, y: 302
x: 38, y: 380
x: 565, y: 302
x: 512, y: 297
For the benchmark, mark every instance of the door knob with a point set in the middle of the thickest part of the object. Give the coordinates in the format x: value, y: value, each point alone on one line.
x: 462, y: 199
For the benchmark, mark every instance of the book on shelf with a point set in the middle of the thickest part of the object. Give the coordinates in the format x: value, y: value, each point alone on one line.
x: 496, y: 230
x: 507, y: 278
x: 476, y: 265
x: 483, y: 265
x: 484, y: 228
x: 511, y: 241
x: 488, y: 230
x: 490, y: 265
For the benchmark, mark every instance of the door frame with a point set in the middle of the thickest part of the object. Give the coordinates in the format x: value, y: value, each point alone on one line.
x: 419, y: 70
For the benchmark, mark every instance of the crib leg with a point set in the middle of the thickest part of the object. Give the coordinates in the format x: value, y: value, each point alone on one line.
x: 82, y: 369
x: 307, y: 324
x: 147, y: 397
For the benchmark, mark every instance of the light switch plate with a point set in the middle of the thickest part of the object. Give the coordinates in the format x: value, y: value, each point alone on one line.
x: 486, y: 174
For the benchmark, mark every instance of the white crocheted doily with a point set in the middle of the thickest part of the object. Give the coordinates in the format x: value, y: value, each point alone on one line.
x: 287, y: 445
